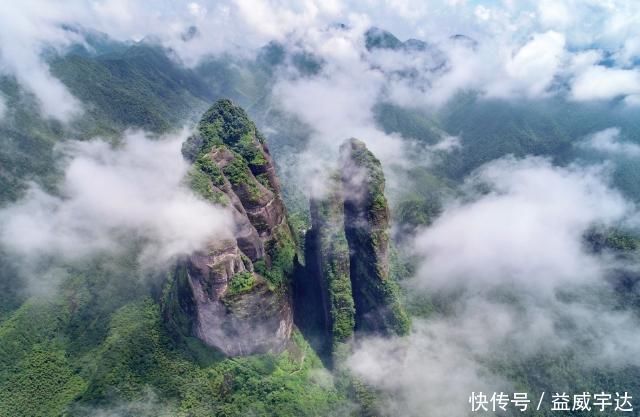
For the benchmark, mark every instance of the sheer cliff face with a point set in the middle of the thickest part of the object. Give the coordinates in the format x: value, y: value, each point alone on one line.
x: 366, y: 219
x: 331, y: 263
x: 347, y: 254
x: 234, y: 295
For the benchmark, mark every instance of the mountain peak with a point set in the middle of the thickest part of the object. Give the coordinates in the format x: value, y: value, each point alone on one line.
x: 233, y: 295
x: 347, y: 252
x: 376, y: 38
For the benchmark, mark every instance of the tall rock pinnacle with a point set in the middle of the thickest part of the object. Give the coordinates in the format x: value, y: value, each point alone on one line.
x: 234, y: 295
x: 367, y: 226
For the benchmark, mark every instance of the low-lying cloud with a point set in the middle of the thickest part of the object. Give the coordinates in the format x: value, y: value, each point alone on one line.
x: 3, y: 107
x: 427, y: 373
x: 530, y: 224
x: 522, y: 48
x: 112, y: 196
x: 149, y: 405
x: 610, y: 142
x: 518, y: 280
x: 599, y: 82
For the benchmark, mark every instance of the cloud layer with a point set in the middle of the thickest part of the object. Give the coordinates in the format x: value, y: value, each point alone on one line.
x: 519, y: 281
x: 610, y: 143
x: 3, y: 107
x: 530, y: 224
x: 112, y: 197
x: 523, y: 47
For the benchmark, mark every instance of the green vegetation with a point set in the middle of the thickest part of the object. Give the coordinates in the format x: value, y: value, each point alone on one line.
x: 43, y: 372
x: 334, y: 263
x: 102, y: 343
x: 242, y: 180
x: 240, y: 283
x: 139, y: 86
x: 376, y: 209
x: 613, y: 239
x: 27, y: 142
x: 281, y: 250
x: 417, y: 212
x: 410, y: 123
x: 45, y: 386
x: 377, y: 298
x: 228, y: 122
x: 121, y: 86
x: 227, y: 126
x: 250, y: 150
x: 238, y: 172
x: 207, y: 166
x: 204, y: 176
x: 201, y: 184
x: 341, y: 298
x: 620, y: 240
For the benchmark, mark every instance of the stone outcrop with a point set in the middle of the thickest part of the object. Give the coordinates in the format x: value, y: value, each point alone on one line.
x: 234, y: 296
x: 328, y: 259
x: 346, y: 287
x: 367, y: 230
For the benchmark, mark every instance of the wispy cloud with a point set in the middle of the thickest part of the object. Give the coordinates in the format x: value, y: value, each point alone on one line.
x: 502, y: 259
x: 609, y: 141
x: 3, y: 107
x: 112, y: 196
x: 509, y: 34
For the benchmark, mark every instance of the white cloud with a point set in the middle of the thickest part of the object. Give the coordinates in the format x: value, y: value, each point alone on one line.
x: 26, y: 28
x: 433, y: 370
x: 603, y: 83
x: 338, y: 103
x: 609, y: 141
x: 500, y: 259
x: 536, y: 63
x: 148, y: 405
x: 530, y: 225
x: 196, y: 9
x: 530, y: 70
x: 555, y: 14
x: 29, y: 27
x: 497, y: 68
x: 522, y: 44
x: 430, y: 372
x: 482, y: 12
x: 3, y: 107
x: 632, y: 100
x: 447, y: 144
x: 111, y: 196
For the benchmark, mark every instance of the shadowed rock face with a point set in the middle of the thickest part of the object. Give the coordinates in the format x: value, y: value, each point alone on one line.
x: 253, y: 320
x: 223, y: 300
x: 327, y: 216
x: 324, y: 289
x: 212, y: 270
x: 366, y: 219
x: 346, y: 287
x: 261, y: 204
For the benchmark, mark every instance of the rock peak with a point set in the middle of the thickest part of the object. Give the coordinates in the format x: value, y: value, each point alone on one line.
x: 347, y: 253
x: 234, y: 295
x: 367, y: 229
